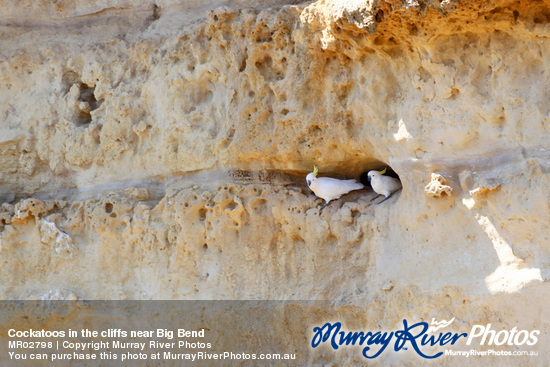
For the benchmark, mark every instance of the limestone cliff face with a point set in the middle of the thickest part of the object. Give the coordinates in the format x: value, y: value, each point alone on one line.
x: 157, y: 150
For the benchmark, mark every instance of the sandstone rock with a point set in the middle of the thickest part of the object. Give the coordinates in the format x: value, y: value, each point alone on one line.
x: 137, y: 193
x: 51, y: 235
x: 162, y: 147
x: 59, y: 295
x: 438, y: 186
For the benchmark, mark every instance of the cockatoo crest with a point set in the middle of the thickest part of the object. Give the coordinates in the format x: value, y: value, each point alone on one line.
x: 315, y: 170
x: 383, y: 171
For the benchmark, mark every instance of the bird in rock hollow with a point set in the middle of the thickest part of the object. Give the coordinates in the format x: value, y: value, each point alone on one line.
x: 383, y: 185
x: 328, y: 188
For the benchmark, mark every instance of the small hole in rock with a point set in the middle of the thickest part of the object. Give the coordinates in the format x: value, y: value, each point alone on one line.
x: 156, y: 12
x: 231, y: 206
x: 108, y: 208
x: 242, y: 66
x: 87, y: 95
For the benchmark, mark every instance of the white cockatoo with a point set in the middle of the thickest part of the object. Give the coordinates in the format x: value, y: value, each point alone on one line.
x: 383, y: 185
x: 328, y: 188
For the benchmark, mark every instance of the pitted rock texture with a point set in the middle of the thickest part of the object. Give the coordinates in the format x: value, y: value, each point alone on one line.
x: 158, y: 150
x: 438, y: 186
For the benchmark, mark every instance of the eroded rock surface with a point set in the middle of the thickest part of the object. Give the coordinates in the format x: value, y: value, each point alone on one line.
x: 157, y: 150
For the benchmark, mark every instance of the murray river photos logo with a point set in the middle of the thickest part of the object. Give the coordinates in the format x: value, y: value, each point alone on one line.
x: 417, y: 337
